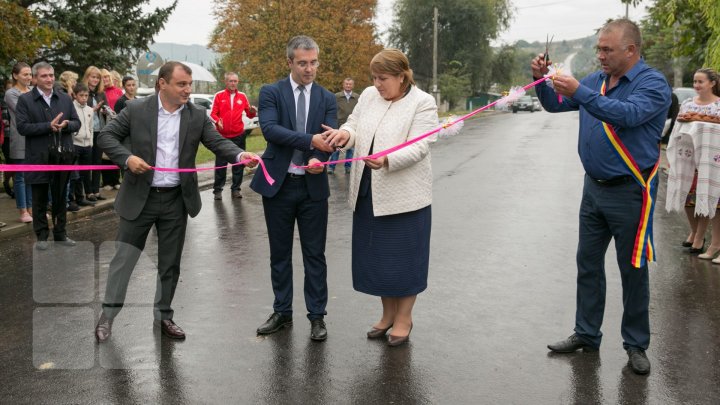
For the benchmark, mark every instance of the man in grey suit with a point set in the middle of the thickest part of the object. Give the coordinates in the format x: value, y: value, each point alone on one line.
x: 162, y: 131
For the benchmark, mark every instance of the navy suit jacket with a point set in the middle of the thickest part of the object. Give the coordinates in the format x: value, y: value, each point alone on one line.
x: 277, y: 120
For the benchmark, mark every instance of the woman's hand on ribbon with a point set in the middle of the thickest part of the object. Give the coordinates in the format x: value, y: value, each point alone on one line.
x: 337, y: 138
x: 137, y: 165
x: 376, y: 164
x: 251, y: 158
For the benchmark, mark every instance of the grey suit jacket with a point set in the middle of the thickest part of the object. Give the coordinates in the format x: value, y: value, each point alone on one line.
x: 134, y: 132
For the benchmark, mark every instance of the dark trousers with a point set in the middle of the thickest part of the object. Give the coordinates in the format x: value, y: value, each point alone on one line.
x: 166, y: 211
x: 85, y: 156
x: 611, y: 212
x: 292, y: 203
x: 96, y: 160
x: 58, y: 189
x: 237, y: 171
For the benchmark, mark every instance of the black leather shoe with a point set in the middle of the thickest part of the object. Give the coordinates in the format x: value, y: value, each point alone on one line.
x: 103, y: 330
x: 274, y: 324
x: 317, y: 330
x: 171, y: 330
x: 571, y: 344
x: 85, y: 203
x: 375, y: 333
x: 638, y: 361
x: 66, y: 242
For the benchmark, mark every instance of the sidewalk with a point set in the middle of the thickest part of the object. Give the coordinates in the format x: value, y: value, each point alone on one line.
x: 10, y: 214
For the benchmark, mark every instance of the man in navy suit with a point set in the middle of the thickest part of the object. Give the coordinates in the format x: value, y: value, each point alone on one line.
x: 292, y: 112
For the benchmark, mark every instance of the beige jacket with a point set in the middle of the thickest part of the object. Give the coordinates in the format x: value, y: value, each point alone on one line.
x: 405, y: 185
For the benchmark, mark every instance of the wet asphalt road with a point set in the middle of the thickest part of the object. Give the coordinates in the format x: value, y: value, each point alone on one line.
x: 502, y: 286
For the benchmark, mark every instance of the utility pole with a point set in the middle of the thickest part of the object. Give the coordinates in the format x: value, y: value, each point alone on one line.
x: 627, y: 10
x: 436, y: 93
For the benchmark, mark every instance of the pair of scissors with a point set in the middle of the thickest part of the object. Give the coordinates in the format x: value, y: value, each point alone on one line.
x: 548, y: 41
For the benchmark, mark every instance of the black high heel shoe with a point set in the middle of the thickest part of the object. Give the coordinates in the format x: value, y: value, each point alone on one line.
x: 687, y: 244
x: 375, y: 333
x: 697, y: 250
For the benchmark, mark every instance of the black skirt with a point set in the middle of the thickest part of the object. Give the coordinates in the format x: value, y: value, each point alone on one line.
x: 390, y: 253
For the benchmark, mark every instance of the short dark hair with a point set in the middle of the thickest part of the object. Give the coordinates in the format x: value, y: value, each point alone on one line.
x: 80, y: 87
x: 127, y: 79
x: 167, y: 70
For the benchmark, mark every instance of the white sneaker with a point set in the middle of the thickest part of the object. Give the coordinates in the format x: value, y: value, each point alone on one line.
x: 108, y: 188
x: 117, y: 187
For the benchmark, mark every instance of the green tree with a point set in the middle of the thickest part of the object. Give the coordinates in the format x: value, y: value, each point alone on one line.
x: 107, y: 34
x: 454, y: 83
x: 677, y: 29
x: 465, y: 29
x: 21, y: 36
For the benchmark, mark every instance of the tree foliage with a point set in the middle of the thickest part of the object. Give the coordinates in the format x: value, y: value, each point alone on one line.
x: 21, y: 36
x: 465, y: 29
x: 684, y: 29
x: 252, y: 35
x: 103, y: 33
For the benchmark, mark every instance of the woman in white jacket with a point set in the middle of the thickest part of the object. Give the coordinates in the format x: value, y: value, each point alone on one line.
x: 391, y: 195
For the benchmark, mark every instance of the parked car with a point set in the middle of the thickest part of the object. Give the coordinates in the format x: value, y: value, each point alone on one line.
x: 524, y: 103
x: 536, y: 104
x: 684, y: 93
x: 206, y: 100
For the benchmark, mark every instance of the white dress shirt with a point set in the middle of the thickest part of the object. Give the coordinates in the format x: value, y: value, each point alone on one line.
x: 168, y: 147
x: 48, y: 97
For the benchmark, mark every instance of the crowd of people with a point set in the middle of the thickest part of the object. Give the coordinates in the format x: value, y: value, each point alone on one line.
x: 96, y: 98
x: 622, y: 111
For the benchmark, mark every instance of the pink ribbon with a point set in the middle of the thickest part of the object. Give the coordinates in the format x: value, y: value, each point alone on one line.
x: 59, y: 168
x: 420, y: 137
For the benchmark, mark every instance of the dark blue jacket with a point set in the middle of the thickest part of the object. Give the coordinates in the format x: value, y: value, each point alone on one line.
x: 277, y: 120
x: 33, y: 117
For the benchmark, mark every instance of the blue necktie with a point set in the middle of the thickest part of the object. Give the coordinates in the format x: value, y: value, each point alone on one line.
x: 297, y: 158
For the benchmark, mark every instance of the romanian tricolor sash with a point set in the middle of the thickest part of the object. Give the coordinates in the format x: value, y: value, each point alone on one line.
x: 643, y: 250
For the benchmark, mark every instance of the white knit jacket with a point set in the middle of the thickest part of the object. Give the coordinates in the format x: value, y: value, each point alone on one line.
x: 405, y: 185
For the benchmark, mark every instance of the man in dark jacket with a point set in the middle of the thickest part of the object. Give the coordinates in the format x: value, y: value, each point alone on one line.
x: 47, y: 119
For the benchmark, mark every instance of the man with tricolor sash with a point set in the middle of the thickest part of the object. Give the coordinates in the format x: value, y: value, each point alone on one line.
x: 622, y: 113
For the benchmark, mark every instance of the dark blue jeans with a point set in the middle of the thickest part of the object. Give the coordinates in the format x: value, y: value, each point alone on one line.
x: 611, y: 212
x: 237, y: 171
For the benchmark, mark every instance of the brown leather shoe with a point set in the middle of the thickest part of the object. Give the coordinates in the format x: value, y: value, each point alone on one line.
x: 398, y: 340
x: 103, y: 330
x: 171, y: 330
x: 375, y: 333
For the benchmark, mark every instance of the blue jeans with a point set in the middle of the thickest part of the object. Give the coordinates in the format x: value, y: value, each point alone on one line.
x: 606, y: 213
x: 23, y: 194
x: 348, y: 155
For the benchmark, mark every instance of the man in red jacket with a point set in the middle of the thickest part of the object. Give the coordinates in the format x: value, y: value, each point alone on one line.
x: 227, y: 112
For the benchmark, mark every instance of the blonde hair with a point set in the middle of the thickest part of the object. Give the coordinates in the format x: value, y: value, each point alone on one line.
x: 92, y: 70
x: 393, y: 62
x: 116, y: 79
x: 68, y: 79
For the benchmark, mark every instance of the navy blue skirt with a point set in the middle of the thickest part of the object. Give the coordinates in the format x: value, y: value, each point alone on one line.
x: 390, y: 253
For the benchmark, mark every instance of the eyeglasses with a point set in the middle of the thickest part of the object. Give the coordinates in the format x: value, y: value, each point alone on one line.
x: 303, y: 64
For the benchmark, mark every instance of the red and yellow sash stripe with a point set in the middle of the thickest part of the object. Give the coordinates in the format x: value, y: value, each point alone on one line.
x: 643, y: 250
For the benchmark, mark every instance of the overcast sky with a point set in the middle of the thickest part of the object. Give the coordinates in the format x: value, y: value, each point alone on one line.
x: 192, y: 21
